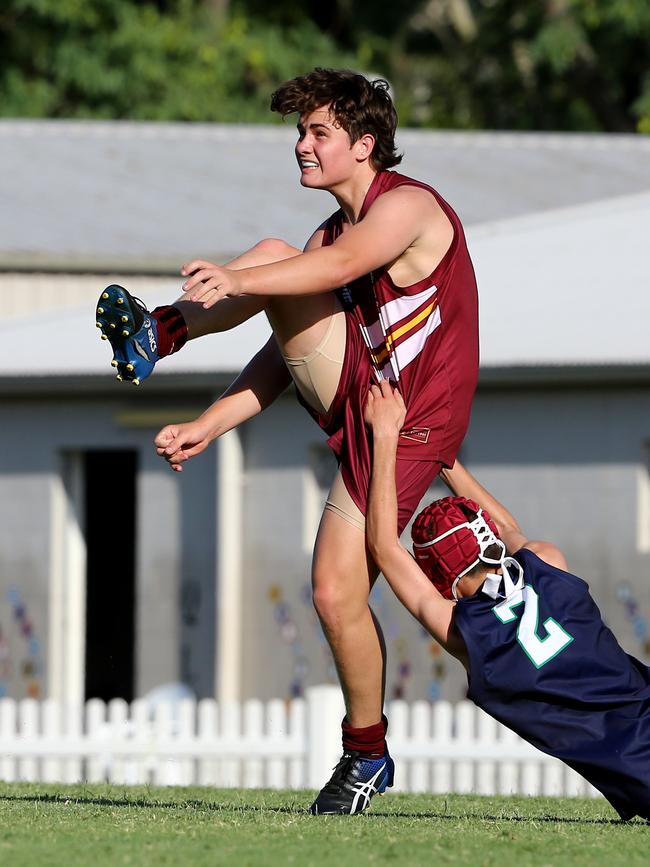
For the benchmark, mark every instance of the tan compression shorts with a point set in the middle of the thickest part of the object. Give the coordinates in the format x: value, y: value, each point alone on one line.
x: 317, y: 378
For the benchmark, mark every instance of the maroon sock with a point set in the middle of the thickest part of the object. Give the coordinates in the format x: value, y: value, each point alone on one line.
x: 371, y: 740
x: 172, y: 329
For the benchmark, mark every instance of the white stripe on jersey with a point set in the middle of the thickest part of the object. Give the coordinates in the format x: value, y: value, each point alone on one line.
x: 405, y: 352
x: 386, y: 371
x: 374, y: 335
x: 399, y: 308
x: 390, y: 314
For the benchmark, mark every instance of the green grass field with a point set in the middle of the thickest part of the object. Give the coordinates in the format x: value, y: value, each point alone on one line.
x: 106, y: 825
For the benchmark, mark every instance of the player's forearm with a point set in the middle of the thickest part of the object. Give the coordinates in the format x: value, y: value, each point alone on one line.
x: 310, y: 273
x: 381, y: 517
x: 463, y: 484
x: 261, y: 382
x: 229, y: 411
x: 406, y: 580
x: 381, y: 525
x: 411, y: 586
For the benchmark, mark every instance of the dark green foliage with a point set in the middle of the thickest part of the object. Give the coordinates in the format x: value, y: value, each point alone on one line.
x: 558, y: 64
x: 519, y: 64
x: 176, y: 60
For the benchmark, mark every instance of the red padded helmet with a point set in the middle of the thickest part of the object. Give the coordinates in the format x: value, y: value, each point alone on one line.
x: 450, y: 536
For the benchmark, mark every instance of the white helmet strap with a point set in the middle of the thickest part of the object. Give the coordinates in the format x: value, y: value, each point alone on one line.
x: 482, y: 533
x: 492, y: 584
x: 485, y: 538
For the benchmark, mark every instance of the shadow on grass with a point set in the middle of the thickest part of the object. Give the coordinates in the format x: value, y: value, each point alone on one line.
x: 486, y: 817
x: 144, y: 803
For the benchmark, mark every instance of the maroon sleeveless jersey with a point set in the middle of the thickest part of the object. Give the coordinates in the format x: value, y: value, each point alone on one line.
x: 425, y: 338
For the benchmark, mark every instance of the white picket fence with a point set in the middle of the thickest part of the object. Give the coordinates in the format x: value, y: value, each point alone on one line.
x: 437, y: 747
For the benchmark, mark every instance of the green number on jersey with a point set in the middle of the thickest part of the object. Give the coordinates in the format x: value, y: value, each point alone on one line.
x: 539, y: 650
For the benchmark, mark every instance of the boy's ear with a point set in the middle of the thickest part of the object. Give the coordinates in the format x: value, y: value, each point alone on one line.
x: 364, y: 146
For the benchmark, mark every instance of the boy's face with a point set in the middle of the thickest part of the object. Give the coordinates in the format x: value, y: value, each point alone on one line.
x: 324, y: 152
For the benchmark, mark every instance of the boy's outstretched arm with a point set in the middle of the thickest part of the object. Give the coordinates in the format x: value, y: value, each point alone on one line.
x: 462, y: 483
x: 263, y: 380
x: 394, y: 222
x: 384, y: 414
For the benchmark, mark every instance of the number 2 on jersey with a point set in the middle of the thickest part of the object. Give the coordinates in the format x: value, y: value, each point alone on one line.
x: 539, y: 650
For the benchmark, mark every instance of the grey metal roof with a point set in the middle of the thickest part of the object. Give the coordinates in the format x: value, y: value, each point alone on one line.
x: 66, y: 342
x: 557, y: 227
x: 143, y: 196
x: 564, y: 287
x: 570, y: 286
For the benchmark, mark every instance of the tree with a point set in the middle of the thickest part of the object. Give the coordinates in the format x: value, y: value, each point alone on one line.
x: 496, y: 64
x: 166, y: 60
x: 518, y: 64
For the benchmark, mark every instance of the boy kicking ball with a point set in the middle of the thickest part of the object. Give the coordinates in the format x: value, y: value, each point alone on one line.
x: 385, y: 288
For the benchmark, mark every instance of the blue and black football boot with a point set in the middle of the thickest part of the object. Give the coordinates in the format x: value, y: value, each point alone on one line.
x: 132, y: 332
x: 355, y: 780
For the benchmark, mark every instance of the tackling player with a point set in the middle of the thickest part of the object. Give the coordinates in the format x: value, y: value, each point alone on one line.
x: 538, y: 656
x: 404, y: 307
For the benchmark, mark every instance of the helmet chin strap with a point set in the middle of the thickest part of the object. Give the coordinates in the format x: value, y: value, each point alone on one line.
x: 485, y: 539
x: 492, y: 584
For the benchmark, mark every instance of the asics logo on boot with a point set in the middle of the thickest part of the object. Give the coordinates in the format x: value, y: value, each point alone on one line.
x: 140, y: 350
x: 152, y: 340
x: 365, y: 791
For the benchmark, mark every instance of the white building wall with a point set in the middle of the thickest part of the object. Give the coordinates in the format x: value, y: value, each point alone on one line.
x: 24, y: 294
x: 24, y: 571
x: 567, y: 463
x: 175, y: 577
x: 283, y: 637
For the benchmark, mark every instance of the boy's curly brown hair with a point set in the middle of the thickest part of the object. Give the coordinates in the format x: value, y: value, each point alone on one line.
x: 360, y: 106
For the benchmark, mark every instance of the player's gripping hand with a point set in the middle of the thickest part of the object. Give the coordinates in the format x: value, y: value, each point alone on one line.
x: 384, y: 411
x: 177, y: 443
x: 210, y: 283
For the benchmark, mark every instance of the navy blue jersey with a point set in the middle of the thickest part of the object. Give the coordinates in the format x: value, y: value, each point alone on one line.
x: 544, y: 664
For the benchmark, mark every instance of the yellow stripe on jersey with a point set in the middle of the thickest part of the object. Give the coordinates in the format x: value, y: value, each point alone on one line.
x: 404, y: 329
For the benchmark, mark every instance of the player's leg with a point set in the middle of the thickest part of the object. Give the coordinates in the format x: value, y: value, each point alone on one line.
x: 231, y: 312
x: 340, y: 593
x: 139, y: 338
x: 312, y: 334
x: 342, y: 577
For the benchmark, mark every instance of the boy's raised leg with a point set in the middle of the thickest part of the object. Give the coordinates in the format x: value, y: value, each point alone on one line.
x: 139, y: 338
